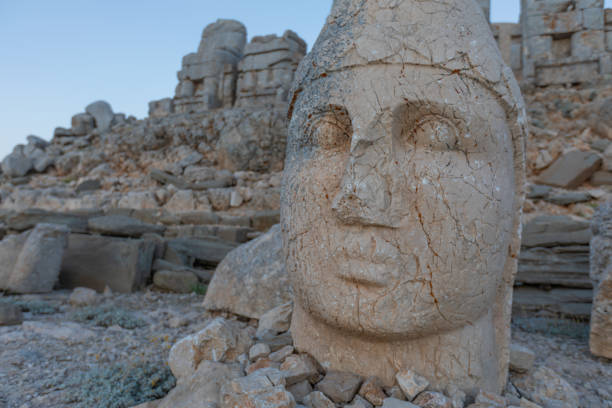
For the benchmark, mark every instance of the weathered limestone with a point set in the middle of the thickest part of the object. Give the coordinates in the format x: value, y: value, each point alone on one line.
x: 95, y: 262
x: 267, y: 69
x: 571, y: 169
x: 207, y: 79
x: 102, y: 114
x: 251, y: 279
x: 37, y: 265
x: 600, y: 340
x: 401, y: 243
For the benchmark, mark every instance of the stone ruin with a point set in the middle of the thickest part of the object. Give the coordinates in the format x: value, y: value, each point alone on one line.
x: 558, y: 42
x: 227, y: 72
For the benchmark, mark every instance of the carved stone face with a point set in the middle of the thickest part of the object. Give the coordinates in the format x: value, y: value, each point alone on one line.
x: 398, y: 199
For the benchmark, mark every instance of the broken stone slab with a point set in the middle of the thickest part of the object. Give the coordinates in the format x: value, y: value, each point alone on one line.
x: 300, y: 367
x: 38, y: 263
x: 203, y: 275
x: 29, y: 218
x: 122, y: 226
x: 10, y: 247
x: 341, y: 387
x: 569, y: 197
x: 537, y: 191
x: 10, y: 315
x: 559, y: 301
x: 252, y: 279
x: 102, y: 114
x: 176, y: 281
x: 82, y: 124
x: 206, y: 251
x: 182, y: 184
x: 555, y: 230
x: 566, y: 266
x: 571, y: 169
x: 94, y: 261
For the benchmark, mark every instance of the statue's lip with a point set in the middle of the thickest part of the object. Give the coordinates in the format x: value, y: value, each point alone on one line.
x: 366, y: 273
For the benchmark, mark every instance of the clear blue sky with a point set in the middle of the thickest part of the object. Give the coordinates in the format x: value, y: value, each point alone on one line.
x: 56, y: 56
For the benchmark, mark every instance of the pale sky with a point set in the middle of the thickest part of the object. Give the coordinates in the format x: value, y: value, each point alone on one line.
x: 57, y: 56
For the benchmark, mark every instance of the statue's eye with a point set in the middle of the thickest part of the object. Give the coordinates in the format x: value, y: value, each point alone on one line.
x: 332, y: 130
x: 436, y: 133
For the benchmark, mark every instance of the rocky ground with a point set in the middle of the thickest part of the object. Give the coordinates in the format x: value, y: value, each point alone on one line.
x: 110, y: 353
x: 112, y: 350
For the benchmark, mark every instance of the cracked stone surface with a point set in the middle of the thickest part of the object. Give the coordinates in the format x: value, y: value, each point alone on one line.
x: 402, y: 194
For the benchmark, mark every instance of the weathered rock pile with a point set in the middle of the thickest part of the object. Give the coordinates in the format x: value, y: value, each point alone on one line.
x: 231, y: 364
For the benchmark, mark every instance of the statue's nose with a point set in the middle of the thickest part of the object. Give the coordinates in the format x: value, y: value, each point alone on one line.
x: 365, y: 192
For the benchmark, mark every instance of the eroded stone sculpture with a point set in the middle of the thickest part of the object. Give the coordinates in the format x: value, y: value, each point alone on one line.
x: 402, y: 194
x: 208, y: 77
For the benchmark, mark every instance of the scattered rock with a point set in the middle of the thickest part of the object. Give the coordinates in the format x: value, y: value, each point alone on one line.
x: 521, y: 358
x: 317, y: 399
x: 571, y: 169
x: 546, y: 387
x: 10, y: 315
x: 83, y: 297
x: 372, y: 390
x: 300, y: 390
x: 341, y: 387
x: 263, y: 388
x: 281, y: 354
x: 88, y: 185
x: 490, y: 399
x: 82, y: 124
x: 430, y: 399
x: 259, y: 350
x: 276, y: 320
x: 252, y: 279
x: 410, y: 383
x: 569, y: 197
x: 221, y: 340
x: 300, y: 367
x: 176, y: 281
x: 359, y: 402
x: 397, y: 403
x: 17, y: 164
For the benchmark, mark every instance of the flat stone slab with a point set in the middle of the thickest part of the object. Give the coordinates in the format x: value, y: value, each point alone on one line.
x: 571, y: 169
x: 555, y: 230
x: 94, y: 261
x: 208, y: 251
x: 122, y: 226
x: 28, y: 219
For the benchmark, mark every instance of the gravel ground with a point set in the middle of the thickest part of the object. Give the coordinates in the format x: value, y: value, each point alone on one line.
x: 68, y: 356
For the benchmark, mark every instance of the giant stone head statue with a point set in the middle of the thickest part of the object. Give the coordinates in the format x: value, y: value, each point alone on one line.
x: 402, y: 193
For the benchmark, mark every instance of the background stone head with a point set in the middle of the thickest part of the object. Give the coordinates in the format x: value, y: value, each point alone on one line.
x: 404, y: 172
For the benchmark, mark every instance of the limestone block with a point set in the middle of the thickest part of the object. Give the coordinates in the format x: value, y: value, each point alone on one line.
x: 588, y: 43
x: 259, y: 389
x: 601, y: 178
x: 17, y: 164
x: 300, y: 367
x: 362, y: 216
x: 82, y: 124
x: 161, y: 108
x: 540, y: 47
x: 317, y: 399
x: 593, y: 18
x: 555, y: 230
x: 37, y: 142
x: 547, y: 6
x: 557, y: 23
x: 571, y: 169
x: 252, y: 279
x: 521, y: 358
x: 567, y: 73
x: 340, y: 387
x: 102, y: 114
x: 138, y: 200
x: 38, y: 264
x: 95, y: 262
x: 586, y: 4
x: 176, y: 281
x: 397, y: 403
x: 372, y: 390
x: 608, y: 16
x: 10, y: 247
x: 359, y: 402
x: 609, y: 40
